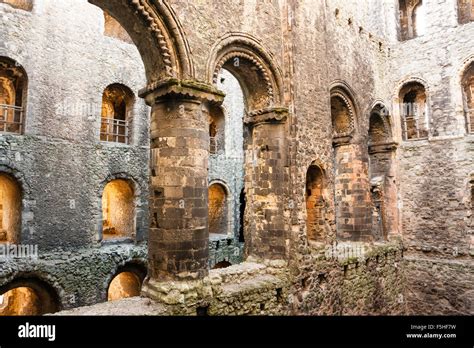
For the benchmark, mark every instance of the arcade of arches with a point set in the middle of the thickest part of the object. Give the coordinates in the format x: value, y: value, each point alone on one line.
x: 253, y: 171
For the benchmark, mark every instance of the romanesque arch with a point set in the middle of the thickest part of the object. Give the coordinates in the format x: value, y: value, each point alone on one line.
x: 265, y: 142
x: 155, y: 30
x: 247, y: 59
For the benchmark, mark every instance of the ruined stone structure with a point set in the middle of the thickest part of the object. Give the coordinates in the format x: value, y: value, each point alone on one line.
x: 254, y: 157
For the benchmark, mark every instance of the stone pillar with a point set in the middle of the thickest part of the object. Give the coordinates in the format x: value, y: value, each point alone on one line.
x: 352, y: 191
x: 267, y: 185
x: 179, y: 237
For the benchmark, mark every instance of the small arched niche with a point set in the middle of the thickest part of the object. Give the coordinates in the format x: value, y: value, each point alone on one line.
x: 13, y: 88
x: 27, y: 297
x: 315, y: 204
x: 118, y: 210
x: 10, y: 209
x: 468, y: 92
x: 218, y: 209
x: 117, y: 114
x: 125, y: 284
x: 414, y: 111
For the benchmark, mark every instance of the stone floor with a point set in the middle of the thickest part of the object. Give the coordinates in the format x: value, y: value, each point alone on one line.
x: 133, y: 306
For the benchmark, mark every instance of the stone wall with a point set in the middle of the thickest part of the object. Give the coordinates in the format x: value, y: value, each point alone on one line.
x: 291, y: 56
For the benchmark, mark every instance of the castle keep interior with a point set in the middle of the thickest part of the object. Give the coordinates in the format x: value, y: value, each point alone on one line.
x: 263, y: 157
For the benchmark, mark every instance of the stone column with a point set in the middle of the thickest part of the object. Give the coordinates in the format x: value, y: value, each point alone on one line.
x: 267, y: 185
x: 179, y: 237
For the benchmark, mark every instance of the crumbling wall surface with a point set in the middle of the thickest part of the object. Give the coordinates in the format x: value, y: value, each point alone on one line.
x: 79, y: 277
x: 373, y: 284
x: 434, y: 173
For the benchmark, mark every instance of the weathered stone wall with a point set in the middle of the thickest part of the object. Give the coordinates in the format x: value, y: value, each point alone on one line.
x: 434, y: 174
x: 302, y: 50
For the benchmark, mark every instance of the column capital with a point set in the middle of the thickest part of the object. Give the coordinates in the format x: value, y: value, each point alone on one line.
x: 186, y: 89
x: 267, y: 115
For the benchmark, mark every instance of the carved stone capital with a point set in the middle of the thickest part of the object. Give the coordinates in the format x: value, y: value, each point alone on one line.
x: 382, y: 147
x: 185, y: 89
x: 267, y: 115
x: 342, y: 139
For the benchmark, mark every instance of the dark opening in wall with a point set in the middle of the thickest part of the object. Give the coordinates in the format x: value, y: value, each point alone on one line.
x: 243, y: 202
x: 218, y: 209
x: 27, y: 297
x: 117, y: 109
x: 10, y: 209
x: 26, y: 5
x: 202, y: 311
x: 216, y: 130
x: 222, y: 264
x: 465, y: 11
x: 124, y: 285
x: 112, y: 28
x: 118, y: 210
x: 315, y: 204
x: 412, y: 19
x: 468, y: 89
x: 414, y: 111
x: 13, y: 87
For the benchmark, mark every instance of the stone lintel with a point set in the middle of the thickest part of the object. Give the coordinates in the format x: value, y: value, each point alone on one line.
x: 186, y: 89
x: 267, y: 115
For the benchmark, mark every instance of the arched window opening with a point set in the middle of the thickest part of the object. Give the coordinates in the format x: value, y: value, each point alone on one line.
x: 414, y: 111
x: 468, y: 89
x: 112, y: 28
x: 10, y: 210
x: 216, y: 130
x: 465, y: 11
x: 26, y: 5
x: 118, y: 210
x: 124, y: 285
x: 412, y: 19
x: 28, y: 298
x: 13, y: 87
x: 218, y: 210
x: 315, y: 204
x: 117, y: 107
x: 222, y: 264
